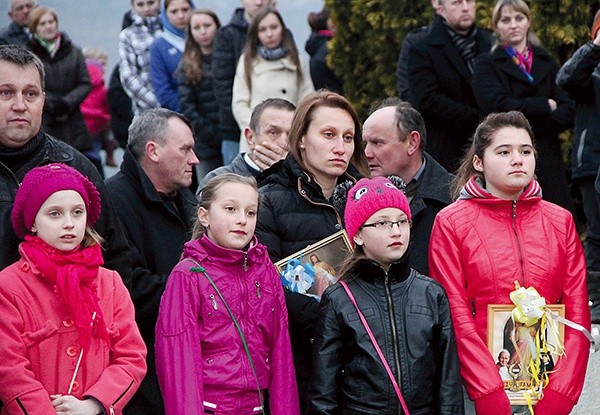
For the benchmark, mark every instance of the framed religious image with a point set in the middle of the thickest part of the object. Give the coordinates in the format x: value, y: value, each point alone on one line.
x: 316, y: 267
x: 511, y: 347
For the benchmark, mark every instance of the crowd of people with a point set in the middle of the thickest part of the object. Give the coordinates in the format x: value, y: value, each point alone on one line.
x: 155, y: 291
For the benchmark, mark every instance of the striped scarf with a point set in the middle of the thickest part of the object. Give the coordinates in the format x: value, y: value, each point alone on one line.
x: 466, y: 45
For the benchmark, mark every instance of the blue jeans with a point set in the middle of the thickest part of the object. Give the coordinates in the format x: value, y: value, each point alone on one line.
x: 229, y: 149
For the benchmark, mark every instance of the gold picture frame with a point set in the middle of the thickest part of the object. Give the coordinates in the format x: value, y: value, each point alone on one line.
x: 329, y: 252
x: 516, y: 380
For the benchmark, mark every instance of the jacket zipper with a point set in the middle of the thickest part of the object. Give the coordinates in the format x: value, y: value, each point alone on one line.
x: 514, y: 227
x: 394, y: 334
x: 245, y: 260
x: 111, y: 409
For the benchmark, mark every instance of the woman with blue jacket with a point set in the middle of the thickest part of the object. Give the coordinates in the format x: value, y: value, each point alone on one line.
x: 166, y: 51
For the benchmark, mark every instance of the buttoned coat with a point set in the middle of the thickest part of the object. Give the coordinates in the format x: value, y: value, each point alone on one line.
x: 40, y: 346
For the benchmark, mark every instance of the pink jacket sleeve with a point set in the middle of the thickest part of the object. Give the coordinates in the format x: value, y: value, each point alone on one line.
x: 178, y: 351
x: 18, y: 386
x: 478, y: 369
x: 283, y: 391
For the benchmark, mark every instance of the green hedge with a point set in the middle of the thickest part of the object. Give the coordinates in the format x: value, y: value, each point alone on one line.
x: 369, y: 34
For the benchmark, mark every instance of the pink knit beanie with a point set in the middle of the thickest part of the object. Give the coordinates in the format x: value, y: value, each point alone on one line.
x: 368, y: 196
x: 40, y: 183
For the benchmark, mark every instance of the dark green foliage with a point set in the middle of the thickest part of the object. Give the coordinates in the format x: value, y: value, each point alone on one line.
x: 369, y: 34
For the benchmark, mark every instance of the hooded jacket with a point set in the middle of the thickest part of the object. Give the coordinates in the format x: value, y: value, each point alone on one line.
x: 201, y: 363
x: 480, y: 245
x: 409, y: 316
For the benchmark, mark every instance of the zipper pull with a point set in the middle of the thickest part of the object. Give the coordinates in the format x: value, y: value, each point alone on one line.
x: 245, y: 261
x: 258, y: 295
x: 111, y: 410
x: 213, y: 302
x: 514, y: 209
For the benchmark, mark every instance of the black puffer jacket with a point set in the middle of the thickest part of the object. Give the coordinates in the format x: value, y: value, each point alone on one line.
x: 67, y: 84
x: 409, y: 316
x: 293, y: 214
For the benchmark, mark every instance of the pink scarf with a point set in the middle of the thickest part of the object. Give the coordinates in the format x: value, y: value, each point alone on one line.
x: 74, y: 276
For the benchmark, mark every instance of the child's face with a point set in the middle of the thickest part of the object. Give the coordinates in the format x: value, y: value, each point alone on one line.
x: 61, y: 220
x: 231, y: 219
x: 382, y: 243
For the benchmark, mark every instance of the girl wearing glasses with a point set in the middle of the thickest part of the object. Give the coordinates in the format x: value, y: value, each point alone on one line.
x: 408, y: 314
x: 500, y: 231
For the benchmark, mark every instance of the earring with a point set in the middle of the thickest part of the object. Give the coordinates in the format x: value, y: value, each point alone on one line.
x: 302, y: 146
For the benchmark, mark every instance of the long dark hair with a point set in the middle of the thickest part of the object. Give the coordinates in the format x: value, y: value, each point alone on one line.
x: 252, y: 44
x: 191, y: 60
x: 482, y: 138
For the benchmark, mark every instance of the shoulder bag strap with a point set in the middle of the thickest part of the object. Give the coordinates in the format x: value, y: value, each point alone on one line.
x: 377, y: 348
x: 200, y: 268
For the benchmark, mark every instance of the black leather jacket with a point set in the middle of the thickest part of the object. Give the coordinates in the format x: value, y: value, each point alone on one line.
x: 409, y: 316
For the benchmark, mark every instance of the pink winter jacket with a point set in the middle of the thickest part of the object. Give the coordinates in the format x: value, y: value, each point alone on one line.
x: 200, y: 360
x: 39, y: 347
x: 94, y: 107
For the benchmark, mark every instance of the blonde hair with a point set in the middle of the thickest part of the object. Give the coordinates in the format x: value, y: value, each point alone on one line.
x: 209, y: 192
x: 91, y: 238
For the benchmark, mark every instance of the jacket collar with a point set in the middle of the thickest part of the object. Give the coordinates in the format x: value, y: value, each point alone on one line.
x: 475, y: 189
x: 204, y: 249
x: 539, y: 67
x: 370, y: 271
x: 434, y: 182
x: 131, y: 169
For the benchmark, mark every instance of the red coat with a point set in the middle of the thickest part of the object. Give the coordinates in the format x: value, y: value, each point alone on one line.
x: 40, y: 348
x: 94, y: 107
x: 480, y: 245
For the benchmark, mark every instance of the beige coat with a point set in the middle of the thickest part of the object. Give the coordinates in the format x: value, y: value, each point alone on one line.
x: 270, y: 79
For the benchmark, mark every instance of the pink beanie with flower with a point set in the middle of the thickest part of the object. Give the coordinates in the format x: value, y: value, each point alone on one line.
x: 40, y: 183
x: 369, y: 196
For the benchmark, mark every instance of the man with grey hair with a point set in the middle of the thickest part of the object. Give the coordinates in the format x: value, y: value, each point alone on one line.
x: 394, y: 137
x: 17, y: 33
x: 157, y: 210
x: 24, y: 146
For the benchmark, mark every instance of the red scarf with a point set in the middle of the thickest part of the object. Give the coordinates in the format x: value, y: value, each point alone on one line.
x: 74, y: 276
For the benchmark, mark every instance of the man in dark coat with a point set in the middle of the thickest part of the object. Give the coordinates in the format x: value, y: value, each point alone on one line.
x: 24, y: 146
x: 394, y: 136
x: 157, y: 210
x: 439, y: 73
x: 229, y: 44
x: 16, y: 33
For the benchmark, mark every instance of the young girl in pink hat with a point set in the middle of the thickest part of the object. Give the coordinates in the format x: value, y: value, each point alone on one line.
x: 384, y: 340
x: 70, y: 344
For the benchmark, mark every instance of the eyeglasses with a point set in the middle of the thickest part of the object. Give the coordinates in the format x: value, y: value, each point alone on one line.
x: 389, y: 224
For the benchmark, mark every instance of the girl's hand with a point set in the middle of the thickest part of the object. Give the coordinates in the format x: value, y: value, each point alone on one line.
x: 70, y: 405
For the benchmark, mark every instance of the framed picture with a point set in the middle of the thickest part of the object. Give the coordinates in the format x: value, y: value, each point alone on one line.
x: 320, y: 261
x: 515, y: 375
